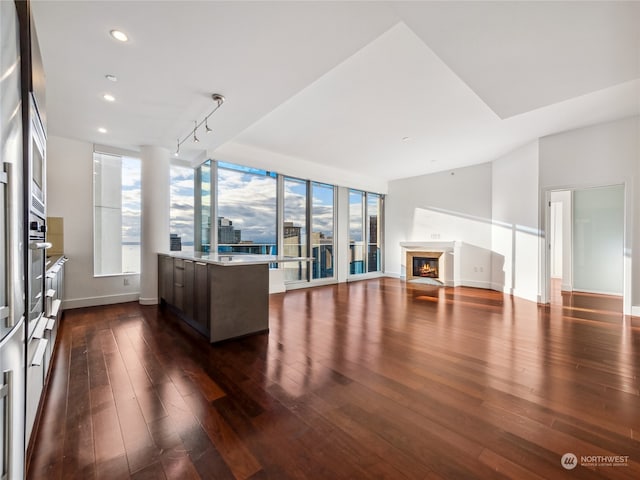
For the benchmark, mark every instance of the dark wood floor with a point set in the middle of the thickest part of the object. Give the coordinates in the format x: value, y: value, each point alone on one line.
x: 374, y: 379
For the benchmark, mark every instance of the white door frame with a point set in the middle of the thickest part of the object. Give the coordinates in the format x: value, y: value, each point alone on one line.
x: 545, y: 244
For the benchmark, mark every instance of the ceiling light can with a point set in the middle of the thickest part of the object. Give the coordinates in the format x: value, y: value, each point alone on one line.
x: 119, y: 35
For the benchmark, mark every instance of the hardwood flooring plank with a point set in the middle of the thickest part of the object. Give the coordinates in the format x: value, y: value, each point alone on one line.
x: 371, y: 379
x: 240, y: 461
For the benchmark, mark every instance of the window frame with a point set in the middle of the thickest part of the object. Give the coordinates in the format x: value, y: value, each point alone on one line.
x: 121, y: 154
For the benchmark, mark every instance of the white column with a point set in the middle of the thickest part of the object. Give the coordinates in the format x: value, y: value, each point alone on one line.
x: 155, y: 218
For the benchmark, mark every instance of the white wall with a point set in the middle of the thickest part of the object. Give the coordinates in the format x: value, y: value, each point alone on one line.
x: 445, y: 206
x: 604, y: 154
x: 70, y: 195
x: 515, y: 238
x: 296, y: 167
x: 598, y: 231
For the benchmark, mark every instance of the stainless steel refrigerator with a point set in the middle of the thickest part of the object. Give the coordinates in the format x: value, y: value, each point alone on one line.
x: 12, y: 278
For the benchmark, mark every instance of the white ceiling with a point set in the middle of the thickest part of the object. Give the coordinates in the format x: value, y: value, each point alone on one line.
x: 338, y: 85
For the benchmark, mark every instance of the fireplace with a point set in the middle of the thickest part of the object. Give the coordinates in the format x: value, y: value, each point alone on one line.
x: 425, y: 267
x: 431, y: 263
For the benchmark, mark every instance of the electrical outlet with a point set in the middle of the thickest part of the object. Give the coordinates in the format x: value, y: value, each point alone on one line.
x: 435, y: 236
x: 126, y: 282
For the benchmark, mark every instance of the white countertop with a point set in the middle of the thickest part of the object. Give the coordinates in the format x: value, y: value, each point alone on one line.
x: 231, y: 259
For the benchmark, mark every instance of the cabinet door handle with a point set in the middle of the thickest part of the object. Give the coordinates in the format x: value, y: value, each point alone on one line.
x: 5, y: 312
x: 6, y: 392
x: 40, y: 245
x: 39, y: 355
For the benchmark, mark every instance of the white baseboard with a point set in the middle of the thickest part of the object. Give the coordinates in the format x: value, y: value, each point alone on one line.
x: 566, y: 287
x: 393, y: 275
x: 600, y: 292
x: 149, y: 301
x: 104, y: 300
x: 499, y: 287
x: 476, y: 284
x: 635, y: 310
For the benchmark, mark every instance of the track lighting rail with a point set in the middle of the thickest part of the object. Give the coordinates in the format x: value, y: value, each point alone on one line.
x: 216, y: 97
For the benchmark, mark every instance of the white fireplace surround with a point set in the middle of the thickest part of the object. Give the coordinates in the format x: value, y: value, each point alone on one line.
x: 460, y: 263
x: 446, y: 252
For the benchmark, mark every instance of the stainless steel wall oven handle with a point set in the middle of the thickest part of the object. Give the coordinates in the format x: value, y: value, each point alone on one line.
x: 40, y: 245
x: 6, y: 393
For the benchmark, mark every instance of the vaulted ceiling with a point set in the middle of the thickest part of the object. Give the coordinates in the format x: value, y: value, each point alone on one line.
x: 382, y: 89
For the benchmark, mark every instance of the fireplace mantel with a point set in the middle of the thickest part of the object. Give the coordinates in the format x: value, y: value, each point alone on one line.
x: 431, y: 246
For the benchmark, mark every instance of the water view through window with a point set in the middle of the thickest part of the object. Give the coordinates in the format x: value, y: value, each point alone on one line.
x: 117, y: 206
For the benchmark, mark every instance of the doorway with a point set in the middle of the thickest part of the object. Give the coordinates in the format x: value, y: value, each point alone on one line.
x: 586, y: 244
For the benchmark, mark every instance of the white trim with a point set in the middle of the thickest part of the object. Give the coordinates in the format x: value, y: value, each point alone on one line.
x: 598, y: 292
x: 104, y: 300
x: 364, y: 276
x: 635, y: 311
x: 97, y: 148
x: 566, y: 287
x: 476, y: 284
x: 148, y: 301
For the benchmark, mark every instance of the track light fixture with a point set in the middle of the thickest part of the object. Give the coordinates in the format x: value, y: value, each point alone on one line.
x: 219, y: 99
x: 195, y: 127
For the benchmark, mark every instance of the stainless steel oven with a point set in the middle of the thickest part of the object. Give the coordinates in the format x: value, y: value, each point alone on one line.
x: 37, y: 257
x: 37, y: 156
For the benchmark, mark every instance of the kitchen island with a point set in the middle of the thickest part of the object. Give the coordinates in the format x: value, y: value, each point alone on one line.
x: 223, y: 296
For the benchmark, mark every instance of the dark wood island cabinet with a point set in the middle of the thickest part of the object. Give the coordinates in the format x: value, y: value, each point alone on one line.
x: 222, y: 297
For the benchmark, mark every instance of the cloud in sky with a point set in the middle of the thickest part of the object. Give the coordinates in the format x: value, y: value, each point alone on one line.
x: 182, y: 213
x: 249, y: 201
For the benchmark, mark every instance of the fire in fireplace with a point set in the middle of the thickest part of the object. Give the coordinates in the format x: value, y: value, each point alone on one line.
x: 425, y: 267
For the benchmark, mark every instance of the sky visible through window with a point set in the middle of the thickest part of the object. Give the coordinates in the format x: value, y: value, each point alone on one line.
x: 131, y: 201
x: 182, y: 205
x: 249, y: 201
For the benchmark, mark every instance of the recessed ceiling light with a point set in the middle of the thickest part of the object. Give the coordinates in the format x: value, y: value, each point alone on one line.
x: 102, y: 130
x: 109, y: 98
x: 119, y: 35
x: 111, y: 78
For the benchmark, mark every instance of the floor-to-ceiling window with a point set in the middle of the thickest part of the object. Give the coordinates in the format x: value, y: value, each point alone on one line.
x: 322, y: 241
x: 374, y: 207
x: 260, y: 212
x: 294, y: 228
x: 246, y: 199
x: 182, y: 212
x: 356, y: 232
x: 365, y: 232
x: 117, y: 207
